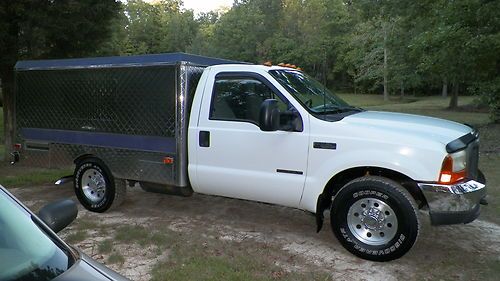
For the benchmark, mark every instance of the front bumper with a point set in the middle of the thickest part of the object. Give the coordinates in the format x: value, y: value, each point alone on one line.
x: 453, y: 204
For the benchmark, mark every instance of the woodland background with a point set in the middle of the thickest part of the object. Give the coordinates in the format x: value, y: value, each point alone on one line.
x: 389, y: 47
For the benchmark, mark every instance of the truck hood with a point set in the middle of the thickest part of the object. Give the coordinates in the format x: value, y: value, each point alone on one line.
x: 430, y: 128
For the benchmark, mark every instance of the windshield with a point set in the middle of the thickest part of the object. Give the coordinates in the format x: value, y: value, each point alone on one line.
x: 315, y: 97
x: 26, y: 252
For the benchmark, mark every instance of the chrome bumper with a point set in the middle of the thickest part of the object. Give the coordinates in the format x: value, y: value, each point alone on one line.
x: 453, y: 204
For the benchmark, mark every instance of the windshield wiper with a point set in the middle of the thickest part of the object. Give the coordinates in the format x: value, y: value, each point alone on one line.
x: 333, y: 109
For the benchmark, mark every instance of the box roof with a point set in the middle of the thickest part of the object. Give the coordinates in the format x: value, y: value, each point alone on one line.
x: 118, y: 61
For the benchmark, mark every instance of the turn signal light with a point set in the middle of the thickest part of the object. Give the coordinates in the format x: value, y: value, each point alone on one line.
x: 168, y: 160
x: 447, y: 175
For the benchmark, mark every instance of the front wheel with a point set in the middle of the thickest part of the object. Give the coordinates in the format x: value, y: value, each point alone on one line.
x: 95, y: 187
x: 375, y: 218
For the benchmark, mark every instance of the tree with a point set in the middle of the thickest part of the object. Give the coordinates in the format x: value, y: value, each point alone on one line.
x: 158, y: 27
x: 31, y: 29
x: 457, y: 41
x: 240, y: 32
x: 370, y: 43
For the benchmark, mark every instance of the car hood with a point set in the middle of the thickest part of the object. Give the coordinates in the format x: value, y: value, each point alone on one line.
x: 429, y: 128
x: 85, y: 268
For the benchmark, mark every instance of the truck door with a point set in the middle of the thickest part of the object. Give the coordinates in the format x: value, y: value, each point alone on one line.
x: 234, y: 157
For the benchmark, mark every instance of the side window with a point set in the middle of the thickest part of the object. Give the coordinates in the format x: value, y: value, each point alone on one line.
x: 239, y: 99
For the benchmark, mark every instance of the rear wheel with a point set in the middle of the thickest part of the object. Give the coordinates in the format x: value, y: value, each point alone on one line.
x: 375, y: 218
x: 95, y: 187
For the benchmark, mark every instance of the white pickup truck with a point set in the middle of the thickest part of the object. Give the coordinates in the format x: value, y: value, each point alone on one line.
x: 178, y: 123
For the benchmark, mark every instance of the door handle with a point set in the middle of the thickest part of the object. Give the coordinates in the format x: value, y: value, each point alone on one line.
x: 204, y: 139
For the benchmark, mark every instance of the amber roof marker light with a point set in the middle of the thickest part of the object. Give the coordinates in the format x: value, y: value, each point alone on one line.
x: 270, y: 63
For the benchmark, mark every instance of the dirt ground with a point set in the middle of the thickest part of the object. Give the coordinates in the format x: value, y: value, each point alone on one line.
x: 461, y: 252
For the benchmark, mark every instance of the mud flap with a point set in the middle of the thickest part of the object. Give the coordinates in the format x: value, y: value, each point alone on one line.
x: 322, y: 204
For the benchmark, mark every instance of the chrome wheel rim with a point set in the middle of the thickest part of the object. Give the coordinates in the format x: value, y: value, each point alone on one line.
x: 93, y: 185
x: 372, y: 221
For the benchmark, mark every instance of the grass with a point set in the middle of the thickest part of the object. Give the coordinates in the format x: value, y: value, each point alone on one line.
x: 76, y: 237
x: 17, y: 176
x: 430, y: 106
x: 133, y: 233
x: 372, y: 100
x: 105, y: 247
x: 489, y: 163
x: 116, y: 258
x: 85, y: 223
x: 197, y: 257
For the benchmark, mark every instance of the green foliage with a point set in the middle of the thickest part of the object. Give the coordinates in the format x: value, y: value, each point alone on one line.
x: 363, y: 45
x: 489, y: 92
x: 34, y: 29
x: 157, y: 28
x: 53, y: 29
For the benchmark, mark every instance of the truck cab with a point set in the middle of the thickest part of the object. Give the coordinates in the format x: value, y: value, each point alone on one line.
x: 322, y: 153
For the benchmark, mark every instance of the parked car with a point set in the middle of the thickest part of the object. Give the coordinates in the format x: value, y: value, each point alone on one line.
x: 179, y: 123
x: 31, y: 250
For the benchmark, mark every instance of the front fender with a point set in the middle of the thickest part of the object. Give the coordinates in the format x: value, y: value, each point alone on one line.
x: 419, y: 166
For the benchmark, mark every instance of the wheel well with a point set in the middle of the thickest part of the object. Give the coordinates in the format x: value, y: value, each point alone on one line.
x: 339, y: 180
x: 81, y: 157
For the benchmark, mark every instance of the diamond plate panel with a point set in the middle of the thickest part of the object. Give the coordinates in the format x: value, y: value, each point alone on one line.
x: 123, y: 163
x: 189, y: 76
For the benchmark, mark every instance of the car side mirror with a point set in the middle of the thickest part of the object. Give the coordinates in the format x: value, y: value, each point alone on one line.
x: 59, y: 214
x: 269, y: 117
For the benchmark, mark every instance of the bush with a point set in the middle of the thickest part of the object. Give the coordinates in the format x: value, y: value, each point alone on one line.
x: 489, y: 93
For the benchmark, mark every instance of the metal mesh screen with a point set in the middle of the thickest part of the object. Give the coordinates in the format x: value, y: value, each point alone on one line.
x: 131, y: 100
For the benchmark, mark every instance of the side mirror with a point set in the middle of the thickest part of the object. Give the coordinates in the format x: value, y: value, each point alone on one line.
x: 59, y: 214
x: 269, y: 117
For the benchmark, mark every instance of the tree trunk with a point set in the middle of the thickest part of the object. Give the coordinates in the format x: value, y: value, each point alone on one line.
x: 495, y: 115
x: 385, y: 26
x: 386, y: 87
x: 402, y: 89
x: 8, y: 108
x: 444, y: 92
x: 454, y: 96
x: 9, y: 55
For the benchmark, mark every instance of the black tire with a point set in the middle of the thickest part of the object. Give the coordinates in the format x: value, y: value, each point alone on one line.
x: 375, y: 218
x: 96, y: 188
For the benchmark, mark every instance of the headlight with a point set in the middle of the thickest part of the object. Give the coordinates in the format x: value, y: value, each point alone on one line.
x: 459, y: 161
x: 454, y: 167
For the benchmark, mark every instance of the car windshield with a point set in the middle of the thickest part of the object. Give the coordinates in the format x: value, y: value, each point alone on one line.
x: 315, y: 97
x: 26, y: 252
